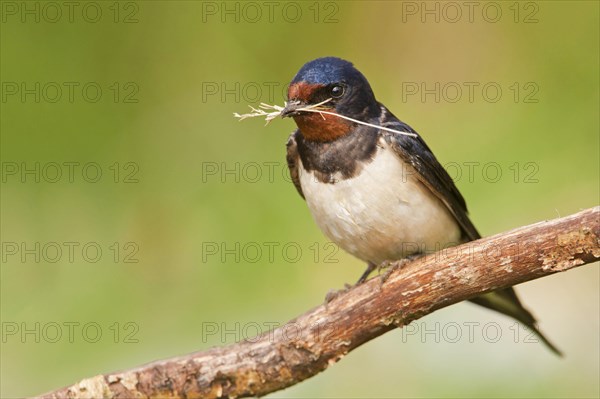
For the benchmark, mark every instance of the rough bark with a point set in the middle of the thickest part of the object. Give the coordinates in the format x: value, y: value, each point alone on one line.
x: 313, y: 341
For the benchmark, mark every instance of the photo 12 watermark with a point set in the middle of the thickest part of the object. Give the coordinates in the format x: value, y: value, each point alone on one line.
x: 470, y: 92
x: 69, y: 92
x: 453, y: 12
x: 53, y: 332
x: 252, y: 331
x: 243, y: 92
x: 252, y: 12
x: 27, y: 252
x: 467, y: 332
x: 70, y: 12
x: 268, y: 252
x: 126, y: 172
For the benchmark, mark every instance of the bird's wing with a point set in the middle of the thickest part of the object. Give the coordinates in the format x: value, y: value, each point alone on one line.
x: 293, y: 160
x: 415, y: 152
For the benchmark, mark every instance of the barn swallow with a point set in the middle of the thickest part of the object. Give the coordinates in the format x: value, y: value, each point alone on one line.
x: 380, y: 195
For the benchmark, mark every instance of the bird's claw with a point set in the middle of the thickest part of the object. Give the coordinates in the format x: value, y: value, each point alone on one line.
x: 392, y: 267
x: 332, y: 294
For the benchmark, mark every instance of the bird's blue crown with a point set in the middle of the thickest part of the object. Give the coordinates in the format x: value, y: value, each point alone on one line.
x: 328, y: 70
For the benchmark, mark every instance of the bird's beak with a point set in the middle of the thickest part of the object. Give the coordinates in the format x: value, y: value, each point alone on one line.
x: 291, y: 108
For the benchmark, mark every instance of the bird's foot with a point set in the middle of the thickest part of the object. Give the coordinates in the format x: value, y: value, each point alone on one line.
x: 390, y: 267
x: 395, y: 265
x: 386, y: 264
x: 332, y: 294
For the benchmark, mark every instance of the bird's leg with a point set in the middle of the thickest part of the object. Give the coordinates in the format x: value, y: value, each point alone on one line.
x: 391, y: 266
x: 331, y: 295
x: 370, y: 267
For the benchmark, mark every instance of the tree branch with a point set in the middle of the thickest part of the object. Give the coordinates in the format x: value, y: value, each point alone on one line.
x: 310, y: 343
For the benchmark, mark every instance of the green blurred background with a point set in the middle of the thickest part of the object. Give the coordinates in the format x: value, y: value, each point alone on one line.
x: 171, y: 74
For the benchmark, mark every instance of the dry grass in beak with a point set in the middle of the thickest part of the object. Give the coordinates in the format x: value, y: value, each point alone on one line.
x: 269, y: 116
x: 260, y: 111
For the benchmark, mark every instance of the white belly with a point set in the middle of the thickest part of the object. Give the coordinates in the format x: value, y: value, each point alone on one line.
x: 384, y: 213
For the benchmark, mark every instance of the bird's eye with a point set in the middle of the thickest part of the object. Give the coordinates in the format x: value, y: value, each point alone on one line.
x: 337, y: 91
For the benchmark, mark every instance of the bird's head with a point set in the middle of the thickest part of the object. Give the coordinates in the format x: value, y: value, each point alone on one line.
x: 341, y: 89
